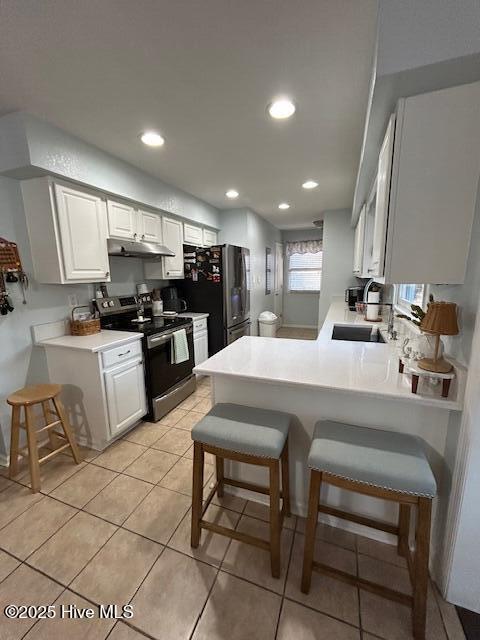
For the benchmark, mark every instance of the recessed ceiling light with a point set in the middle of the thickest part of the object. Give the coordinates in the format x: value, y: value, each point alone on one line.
x: 284, y: 205
x: 281, y: 108
x: 152, y: 139
x: 310, y: 184
x: 232, y: 194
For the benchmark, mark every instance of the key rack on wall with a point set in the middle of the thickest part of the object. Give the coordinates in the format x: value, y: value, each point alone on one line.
x: 11, y: 271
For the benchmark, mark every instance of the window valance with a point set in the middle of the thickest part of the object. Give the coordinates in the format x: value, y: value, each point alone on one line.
x: 304, y: 246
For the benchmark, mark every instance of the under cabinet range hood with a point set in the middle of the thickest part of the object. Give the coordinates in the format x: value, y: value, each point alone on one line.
x: 129, y: 249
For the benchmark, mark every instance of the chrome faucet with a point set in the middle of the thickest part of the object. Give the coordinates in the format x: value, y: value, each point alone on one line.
x: 367, y: 287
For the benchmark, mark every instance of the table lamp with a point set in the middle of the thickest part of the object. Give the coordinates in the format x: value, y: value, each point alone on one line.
x: 440, y: 320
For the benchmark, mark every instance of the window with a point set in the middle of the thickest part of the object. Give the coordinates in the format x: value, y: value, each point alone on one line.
x: 304, y: 266
x: 408, y: 294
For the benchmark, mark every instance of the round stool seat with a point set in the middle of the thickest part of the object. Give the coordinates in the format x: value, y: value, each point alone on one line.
x: 34, y: 394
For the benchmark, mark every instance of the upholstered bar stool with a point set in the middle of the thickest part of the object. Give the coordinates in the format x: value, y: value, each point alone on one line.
x: 253, y: 436
x: 382, y: 464
x: 55, y: 416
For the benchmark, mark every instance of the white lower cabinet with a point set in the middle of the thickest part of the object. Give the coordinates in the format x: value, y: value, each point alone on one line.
x: 125, y: 390
x: 200, y: 346
x: 103, y: 391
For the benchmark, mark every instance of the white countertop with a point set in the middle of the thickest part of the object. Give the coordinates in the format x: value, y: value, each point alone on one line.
x: 195, y: 315
x: 355, y: 367
x: 96, y: 342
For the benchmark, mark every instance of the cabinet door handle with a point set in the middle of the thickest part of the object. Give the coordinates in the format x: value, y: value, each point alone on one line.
x: 143, y: 236
x: 107, y: 273
x: 134, y: 236
x: 123, y: 354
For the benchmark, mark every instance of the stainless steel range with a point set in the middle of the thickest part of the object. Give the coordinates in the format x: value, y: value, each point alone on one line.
x: 167, y: 383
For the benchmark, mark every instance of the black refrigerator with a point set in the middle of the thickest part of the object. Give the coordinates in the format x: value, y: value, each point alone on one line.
x: 217, y: 281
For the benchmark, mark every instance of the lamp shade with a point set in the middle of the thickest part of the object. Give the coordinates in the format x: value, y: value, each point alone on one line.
x: 440, y: 319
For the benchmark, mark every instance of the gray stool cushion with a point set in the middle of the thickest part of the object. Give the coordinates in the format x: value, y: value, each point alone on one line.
x: 256, y: 432
x: 385, y: 459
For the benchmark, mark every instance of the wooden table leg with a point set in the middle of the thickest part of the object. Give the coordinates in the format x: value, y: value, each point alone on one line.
x: 415, y: 383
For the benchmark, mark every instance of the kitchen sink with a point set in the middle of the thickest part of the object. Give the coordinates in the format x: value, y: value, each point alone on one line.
x: 356, y: 334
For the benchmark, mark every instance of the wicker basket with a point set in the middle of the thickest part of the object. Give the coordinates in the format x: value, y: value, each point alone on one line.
x: 84, y: 327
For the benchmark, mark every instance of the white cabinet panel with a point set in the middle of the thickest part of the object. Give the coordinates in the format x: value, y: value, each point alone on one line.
x: 149, y: 226
x: 173, y: 240
x: 122, y: 220
x: 125, y: 389
x: 192, y: 234
x: 83, y: 235
x: 359, y: 243
x: 209, y: 237
x: 200, y: 346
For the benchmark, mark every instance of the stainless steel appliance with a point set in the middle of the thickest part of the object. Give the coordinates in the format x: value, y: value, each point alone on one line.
x: 353, y: 295
x: 137, y: 249
x: 217, y: 281
x: 167, y: 383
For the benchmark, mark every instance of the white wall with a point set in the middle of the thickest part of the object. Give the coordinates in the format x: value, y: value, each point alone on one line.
x: 299, y: 309
x: 338, y: 237
x: 245, y: 228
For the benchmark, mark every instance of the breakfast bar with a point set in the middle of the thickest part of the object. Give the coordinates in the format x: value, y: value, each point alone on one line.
x: 352, y: 382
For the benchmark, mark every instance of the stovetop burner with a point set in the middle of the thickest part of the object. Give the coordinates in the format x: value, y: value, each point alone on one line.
x: 148, y: 328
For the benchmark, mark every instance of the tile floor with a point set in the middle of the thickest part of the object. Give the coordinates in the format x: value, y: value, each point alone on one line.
x: 297, y: 334
x: 116, y: 529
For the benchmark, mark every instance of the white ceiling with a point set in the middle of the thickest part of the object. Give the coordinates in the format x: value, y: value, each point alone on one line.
x: 202, y: 72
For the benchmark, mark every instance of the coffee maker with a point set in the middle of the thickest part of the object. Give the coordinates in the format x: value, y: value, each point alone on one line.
x: 171, y: 301
x: 353, y: 295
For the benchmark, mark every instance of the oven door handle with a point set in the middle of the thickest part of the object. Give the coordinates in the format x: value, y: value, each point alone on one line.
x: 153, y: 341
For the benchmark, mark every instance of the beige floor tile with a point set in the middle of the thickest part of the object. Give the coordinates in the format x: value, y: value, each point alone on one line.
x: 14, y: 501
x: 172, y: 596
x: 117, y: 570
x: 238, y: 610
x: 393, y: 621
x: 262, y: 511
x: 209, y: 457
x: 189, y: 403
x: 152, y: 465
x: 146, y: 433
x: 179, y: 478
x: 300, y: 623
x: 24, y: 587
x: 59, y: 628
x: 4, y: 482
x: 234, y: 503
x: 212, y: 547
x: 7, y: 565
x: 83, y: 486
x: 384, y: 573
x: 171, y: 419
x: 380, y: 550
x: 117, y: 501
x: 88, y: 454
x: 204, y: 405
x: 176, y: 441
x: 158, y: 515
x: 30, y: 530
x: 69, y: 550
x: 53, y: 473
x: 189, y: 420
x: 326, y: 594
x: 204, y: 391
x: 249, y: 562
x: 122, y: 632
x: 119, y: 455
x: 449, y: 615
x: 334, y: 535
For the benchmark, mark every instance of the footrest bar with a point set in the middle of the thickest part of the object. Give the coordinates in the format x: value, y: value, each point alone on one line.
x: 53, y: 453
x: 353, y: 517
x: 236, y: 535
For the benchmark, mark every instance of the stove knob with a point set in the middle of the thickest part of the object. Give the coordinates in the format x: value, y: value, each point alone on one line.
x: 105, y: 304
x: 111, y: 303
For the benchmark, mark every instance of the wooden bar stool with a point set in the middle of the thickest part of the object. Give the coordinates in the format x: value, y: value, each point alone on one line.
x: 27, y: 397
x: 254, y: 436
x: 383, y: 464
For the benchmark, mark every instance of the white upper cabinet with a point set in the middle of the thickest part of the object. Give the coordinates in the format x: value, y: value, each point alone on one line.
x: 122, y: 220
x: 358, y: 247
x: 168, y: 267
x: 209, y: 237
x: 149, y: 226
x: 67, y: 228
x: 384, y: 172
x: 192, y: 234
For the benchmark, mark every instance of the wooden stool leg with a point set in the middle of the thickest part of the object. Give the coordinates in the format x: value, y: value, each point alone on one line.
x: 32, y: 450
x: 49, y: 417
x: 66, y: 429
x: 275, y: 529
x: 311, y: 529
x: 220, y: 475
x: 420, y: 587
x: 197, y: 493
x: 14, y: 438
x: 286, y: 481
x: 403, y: 529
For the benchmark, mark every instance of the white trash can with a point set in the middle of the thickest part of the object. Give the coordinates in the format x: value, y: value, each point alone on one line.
x: 267, y: 324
